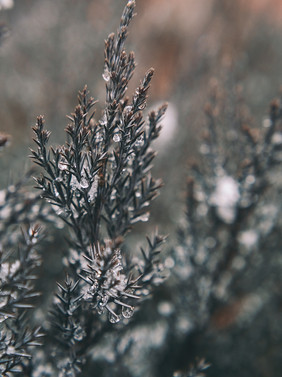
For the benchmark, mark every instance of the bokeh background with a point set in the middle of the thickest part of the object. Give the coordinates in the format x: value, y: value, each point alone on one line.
x: 53, y: 48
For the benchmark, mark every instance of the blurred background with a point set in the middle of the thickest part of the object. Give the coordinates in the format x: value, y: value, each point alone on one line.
x: 53, y: 48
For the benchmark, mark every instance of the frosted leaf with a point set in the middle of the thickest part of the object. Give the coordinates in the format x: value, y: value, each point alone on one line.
x: 127, y: 312
x: 225, y: 198
x: 114, y: 318
x: 117, y: 137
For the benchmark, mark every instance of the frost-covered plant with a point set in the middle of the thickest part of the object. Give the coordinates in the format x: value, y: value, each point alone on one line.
x: 227, y: 195
x: 223, y: 265
x: 17, y: 268
x: 99, y: 183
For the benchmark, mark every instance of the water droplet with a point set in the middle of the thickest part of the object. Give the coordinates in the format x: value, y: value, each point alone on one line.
x: 78, y: 334
x: 139, y: 141
x: 127, y: 312
x: 100, y: 309
x: 114, y: 318
x: 127, y: 109
x: 117, y: 137
x: 106, y: 75
x: 104, y: 300
x: 63, y: 164
x: 77, y: 193
x: 130, y: 157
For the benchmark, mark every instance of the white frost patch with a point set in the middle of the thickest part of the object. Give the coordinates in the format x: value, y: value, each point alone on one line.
x: 225, y: 198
